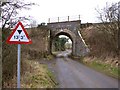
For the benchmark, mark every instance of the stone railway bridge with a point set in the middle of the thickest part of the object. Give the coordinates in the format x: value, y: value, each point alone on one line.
x: 70, y: 29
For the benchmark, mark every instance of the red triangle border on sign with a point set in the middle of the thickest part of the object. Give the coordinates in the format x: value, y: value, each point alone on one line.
x: 18, y: 42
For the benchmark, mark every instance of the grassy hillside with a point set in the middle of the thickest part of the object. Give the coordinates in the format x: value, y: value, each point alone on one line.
x: 103, y: 50
x: 100, y: 43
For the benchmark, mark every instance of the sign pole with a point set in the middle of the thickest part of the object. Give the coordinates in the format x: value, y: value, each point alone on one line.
x: 18, y: 66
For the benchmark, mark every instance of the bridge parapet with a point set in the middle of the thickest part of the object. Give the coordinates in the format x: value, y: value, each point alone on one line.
x: 71, y: 25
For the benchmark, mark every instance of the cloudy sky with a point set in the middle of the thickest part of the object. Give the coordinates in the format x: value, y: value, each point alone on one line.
x: 63, y: 8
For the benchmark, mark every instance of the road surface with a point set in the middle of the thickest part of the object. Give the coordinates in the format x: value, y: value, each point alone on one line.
x: 72, y: 74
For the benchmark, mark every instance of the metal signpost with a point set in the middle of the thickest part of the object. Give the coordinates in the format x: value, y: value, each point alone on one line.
x: 19, y: 36
x: 18, y: 66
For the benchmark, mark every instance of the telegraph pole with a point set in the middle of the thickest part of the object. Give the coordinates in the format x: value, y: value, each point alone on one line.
x: 79, y: 17
x: 49, y: 20
x: 68, y: 18
x: 58, y: 19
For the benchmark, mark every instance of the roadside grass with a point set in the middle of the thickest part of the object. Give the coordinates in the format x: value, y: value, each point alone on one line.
x: 55, y: 53
x: 49, y: 57
x: 37, y: 76
x: 104, y: 68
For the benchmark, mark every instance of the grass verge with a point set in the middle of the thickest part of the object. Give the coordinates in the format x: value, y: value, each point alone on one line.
x: 104, y: 68
x: 37, y: 76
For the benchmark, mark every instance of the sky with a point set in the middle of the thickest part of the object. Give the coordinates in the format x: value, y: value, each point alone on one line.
x: 64, y: 8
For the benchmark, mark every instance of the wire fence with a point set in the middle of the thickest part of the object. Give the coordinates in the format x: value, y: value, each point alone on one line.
x: 64, y: 18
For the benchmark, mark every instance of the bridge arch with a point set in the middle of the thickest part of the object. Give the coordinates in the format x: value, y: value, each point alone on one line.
x: 67, y: 33
x: 70, y: 29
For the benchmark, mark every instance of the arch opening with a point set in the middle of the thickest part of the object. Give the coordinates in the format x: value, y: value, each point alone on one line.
x: 67, y: 46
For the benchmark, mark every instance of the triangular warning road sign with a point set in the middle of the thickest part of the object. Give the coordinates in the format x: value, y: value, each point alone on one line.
x: 19, y: 35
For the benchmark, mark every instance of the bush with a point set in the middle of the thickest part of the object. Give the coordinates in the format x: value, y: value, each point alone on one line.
x: 99, y: 42
x: 9, y: 58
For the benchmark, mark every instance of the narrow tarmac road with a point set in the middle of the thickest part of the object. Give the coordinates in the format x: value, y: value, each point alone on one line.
x: 72, y: 74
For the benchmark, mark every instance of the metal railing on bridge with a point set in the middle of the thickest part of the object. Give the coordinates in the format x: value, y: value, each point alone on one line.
x: 64, y: 19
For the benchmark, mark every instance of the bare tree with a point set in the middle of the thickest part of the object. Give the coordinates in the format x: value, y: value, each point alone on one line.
x: 109, y: 17
x: 10, y: 11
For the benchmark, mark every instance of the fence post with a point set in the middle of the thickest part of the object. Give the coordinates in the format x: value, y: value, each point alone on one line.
x: 68, y: 18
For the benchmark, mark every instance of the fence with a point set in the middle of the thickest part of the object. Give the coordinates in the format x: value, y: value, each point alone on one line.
x: 64, y: 18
